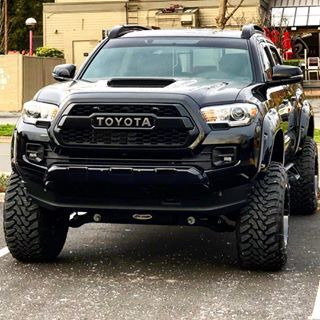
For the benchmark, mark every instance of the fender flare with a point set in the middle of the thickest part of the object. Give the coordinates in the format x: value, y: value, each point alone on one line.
x: 269, y: 135
x: 305, y: 115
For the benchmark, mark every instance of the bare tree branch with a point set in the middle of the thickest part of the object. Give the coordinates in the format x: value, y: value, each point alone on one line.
x: 224, y: 16
x: 233, y: 11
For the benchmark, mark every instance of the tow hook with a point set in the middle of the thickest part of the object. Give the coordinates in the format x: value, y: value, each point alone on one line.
x: 77, y: 220
x: 97, y: 218
x: 191, y: 220
x: 143, y: 217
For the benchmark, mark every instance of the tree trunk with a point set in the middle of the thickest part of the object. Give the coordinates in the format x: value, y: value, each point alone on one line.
x: 221, y: 23
x: 5, y: 8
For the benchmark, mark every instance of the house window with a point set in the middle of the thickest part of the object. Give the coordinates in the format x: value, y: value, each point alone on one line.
x: 314, y: 16
x: 301, y: 16
x: 276, y: 16
x: 288, y: 17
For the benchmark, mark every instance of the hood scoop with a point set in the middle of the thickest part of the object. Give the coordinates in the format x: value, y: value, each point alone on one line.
x: 140, y: 82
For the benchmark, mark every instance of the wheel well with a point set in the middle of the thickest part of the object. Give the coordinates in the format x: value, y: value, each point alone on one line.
x: 278, y: 148
x: 310, y: 132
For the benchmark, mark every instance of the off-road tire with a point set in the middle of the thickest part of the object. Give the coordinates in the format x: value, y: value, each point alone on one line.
x: 262, y: 228
x: 304, y: 191
x: 32, y: 233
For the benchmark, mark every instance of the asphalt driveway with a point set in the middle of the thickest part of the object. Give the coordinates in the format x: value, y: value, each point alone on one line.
x: 137, y: 272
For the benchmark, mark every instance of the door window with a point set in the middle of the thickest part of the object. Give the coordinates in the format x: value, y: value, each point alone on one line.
x: 267, y: 64
x: 275, y: 55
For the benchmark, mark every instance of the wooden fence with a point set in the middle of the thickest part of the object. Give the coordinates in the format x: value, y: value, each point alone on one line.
x: 21, y: 77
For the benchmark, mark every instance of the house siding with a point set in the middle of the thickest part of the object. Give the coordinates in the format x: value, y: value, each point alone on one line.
x: 66, y: 21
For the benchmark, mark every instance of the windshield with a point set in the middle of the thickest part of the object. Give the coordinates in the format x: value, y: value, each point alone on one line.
x: 208, y: 58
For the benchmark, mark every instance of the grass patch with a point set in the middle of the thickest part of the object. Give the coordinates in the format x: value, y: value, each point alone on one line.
x: 3, y: 182
x: 317, y: 135
x: 6, y: 129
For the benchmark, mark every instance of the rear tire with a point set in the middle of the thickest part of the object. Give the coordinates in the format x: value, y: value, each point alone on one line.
x: 304, y: 191
x: 32, y: 233
x: 262, y: 230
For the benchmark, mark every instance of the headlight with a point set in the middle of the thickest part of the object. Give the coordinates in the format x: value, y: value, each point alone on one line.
x: 34, y: 111
x: 237, y: 114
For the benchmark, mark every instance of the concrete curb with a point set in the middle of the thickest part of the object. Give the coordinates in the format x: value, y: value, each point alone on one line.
x: 5, y: 139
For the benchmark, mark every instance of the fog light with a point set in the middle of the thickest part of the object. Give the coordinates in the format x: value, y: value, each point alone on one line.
x: 34, y: 152
x: 222, y: 156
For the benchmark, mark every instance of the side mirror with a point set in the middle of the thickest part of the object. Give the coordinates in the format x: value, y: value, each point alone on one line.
x: 64, y: 72
x: 284, y: 73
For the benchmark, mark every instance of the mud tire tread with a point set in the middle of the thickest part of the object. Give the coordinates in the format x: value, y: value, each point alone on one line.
x: 33, y: 234
x: 260, y: 227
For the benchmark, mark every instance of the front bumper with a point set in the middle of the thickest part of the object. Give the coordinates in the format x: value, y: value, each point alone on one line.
x: 214, y: 202
x: 95, y: 180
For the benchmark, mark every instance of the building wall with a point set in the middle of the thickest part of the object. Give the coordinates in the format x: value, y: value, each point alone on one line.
x: 66, y: 25
x: 80, y: 1
x: 75, y: 26
x: 207, y: 17
x: 208, y: 10
x: 10, y: 82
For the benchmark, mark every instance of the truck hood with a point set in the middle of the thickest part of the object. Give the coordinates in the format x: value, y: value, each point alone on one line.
x: 202, y: 91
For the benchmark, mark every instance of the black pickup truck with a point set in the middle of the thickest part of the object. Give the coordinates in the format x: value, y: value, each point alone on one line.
x: 176, y: 127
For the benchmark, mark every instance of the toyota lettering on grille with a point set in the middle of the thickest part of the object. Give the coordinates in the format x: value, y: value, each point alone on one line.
x: 123, y: 122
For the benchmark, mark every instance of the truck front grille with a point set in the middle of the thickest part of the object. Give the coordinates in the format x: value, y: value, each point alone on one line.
x: 174, y: 127
x: 124, y: 138
x: 160, y: 111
